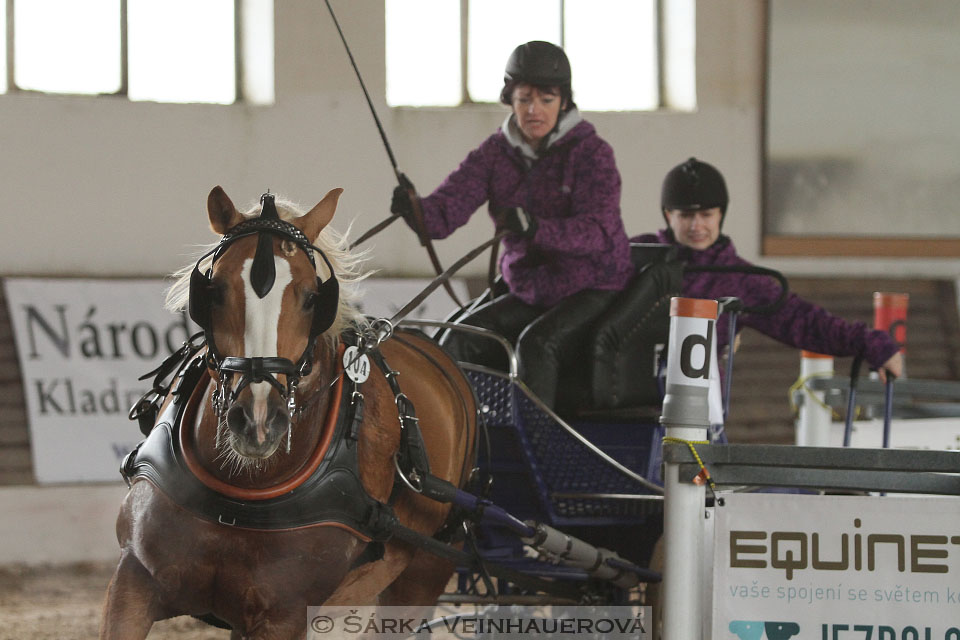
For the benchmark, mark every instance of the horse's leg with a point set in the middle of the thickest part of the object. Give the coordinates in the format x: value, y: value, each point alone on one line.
x: 131, y: 603
x: 421, y: 583
x: 363, y: 583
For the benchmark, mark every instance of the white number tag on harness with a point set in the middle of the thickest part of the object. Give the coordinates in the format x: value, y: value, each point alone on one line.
x: 356, y: 365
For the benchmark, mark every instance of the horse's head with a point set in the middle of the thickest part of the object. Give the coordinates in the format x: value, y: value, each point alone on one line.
x: 265, y: 298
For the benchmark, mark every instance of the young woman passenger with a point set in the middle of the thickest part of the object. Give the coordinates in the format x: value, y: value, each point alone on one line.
x: 551, y: 180
x: 693, y: 203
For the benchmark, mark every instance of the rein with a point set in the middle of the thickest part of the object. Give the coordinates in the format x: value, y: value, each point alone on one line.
x: 382, y: 329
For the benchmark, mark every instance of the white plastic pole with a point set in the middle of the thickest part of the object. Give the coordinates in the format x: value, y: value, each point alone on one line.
x: 686, y: 415
x: 814, y: 417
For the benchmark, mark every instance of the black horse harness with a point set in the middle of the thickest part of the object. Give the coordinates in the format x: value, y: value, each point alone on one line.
x: 204, y: 293
x: 333, y: 493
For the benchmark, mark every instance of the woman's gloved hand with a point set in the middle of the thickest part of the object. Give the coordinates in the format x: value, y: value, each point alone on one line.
x: 517, y: 221
x: 401, y: 204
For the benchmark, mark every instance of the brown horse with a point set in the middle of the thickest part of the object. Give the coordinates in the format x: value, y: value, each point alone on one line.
x: 257, y: 430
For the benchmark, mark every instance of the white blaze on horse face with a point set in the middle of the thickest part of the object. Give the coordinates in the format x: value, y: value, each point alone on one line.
x: 262, y: 317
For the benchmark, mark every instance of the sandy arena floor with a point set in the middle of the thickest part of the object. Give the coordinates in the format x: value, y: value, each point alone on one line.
x: 64, y: 602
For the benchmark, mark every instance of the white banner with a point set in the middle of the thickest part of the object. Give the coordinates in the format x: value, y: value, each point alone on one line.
x: 82, y: 344
x: 836, y: 568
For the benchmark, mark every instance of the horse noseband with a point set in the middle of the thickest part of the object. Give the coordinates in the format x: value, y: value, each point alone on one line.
x: 203, y: 293
x: 259, y: 370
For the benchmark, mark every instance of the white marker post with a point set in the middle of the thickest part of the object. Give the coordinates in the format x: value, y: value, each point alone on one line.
x: 814, y: 416
x: 686, y: 415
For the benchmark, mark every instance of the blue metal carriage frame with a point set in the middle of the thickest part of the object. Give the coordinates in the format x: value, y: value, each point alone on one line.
x: 591, y: 474
x: 598, y: 479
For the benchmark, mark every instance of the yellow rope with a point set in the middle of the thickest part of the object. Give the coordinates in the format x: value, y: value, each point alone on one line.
x: 802, y: 383
x: 704, y: 473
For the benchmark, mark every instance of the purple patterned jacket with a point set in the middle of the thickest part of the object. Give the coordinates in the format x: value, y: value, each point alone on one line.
x: 797, y: 323
x: 573, y: 192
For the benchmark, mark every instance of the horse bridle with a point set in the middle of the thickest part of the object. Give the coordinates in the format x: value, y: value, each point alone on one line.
x: 203, y: 293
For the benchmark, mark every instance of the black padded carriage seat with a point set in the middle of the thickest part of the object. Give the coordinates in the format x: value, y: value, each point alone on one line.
x: 541, y: 471
x: 625, y: 345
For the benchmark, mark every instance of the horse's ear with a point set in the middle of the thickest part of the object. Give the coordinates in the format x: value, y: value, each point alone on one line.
x: 223, y: 215
x: 320, y: 216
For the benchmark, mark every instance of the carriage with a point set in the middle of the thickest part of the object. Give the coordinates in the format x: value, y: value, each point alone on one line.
x: 306, y: 470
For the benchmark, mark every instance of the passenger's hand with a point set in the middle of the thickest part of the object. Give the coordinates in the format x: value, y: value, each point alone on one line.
x: 894, y: 366
x: 517, y: 221
x: 401, y: 203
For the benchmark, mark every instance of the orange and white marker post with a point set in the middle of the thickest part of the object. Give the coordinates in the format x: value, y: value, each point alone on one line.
x: 813, y: 416
x: 686, y: 416
x: 890, y: 315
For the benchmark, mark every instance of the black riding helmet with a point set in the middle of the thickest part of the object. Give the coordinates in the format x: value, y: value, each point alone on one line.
x: 694, y: 185
x: 541, y: 64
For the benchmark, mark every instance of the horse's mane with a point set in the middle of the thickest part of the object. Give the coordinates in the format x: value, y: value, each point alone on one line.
x: 346, y: 264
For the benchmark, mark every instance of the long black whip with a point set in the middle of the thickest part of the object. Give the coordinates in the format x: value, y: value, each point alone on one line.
x: 366, y: 94
x: 383, y: 136
x: 401, y: 179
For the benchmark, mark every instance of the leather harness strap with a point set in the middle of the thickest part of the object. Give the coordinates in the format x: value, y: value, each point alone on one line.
x: 374, y: 230
x: 412, y: 462
x: 427, y: 243
x: 332, y: 495
x: 443, y: 278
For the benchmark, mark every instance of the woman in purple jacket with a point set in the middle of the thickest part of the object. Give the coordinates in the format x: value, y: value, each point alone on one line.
x: 548, y: 177
x: 694, y: 203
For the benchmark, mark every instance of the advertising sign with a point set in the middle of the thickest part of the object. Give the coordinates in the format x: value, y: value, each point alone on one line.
x: 836, y: 568
x: 82, y: 344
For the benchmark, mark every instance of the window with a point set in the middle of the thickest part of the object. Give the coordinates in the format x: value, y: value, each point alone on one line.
x: 862, y: 143
x: 78, y: 51
x: 181, y: 51
x: 3, y: 49
x: 625, y: 54
x: 147, y: 50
